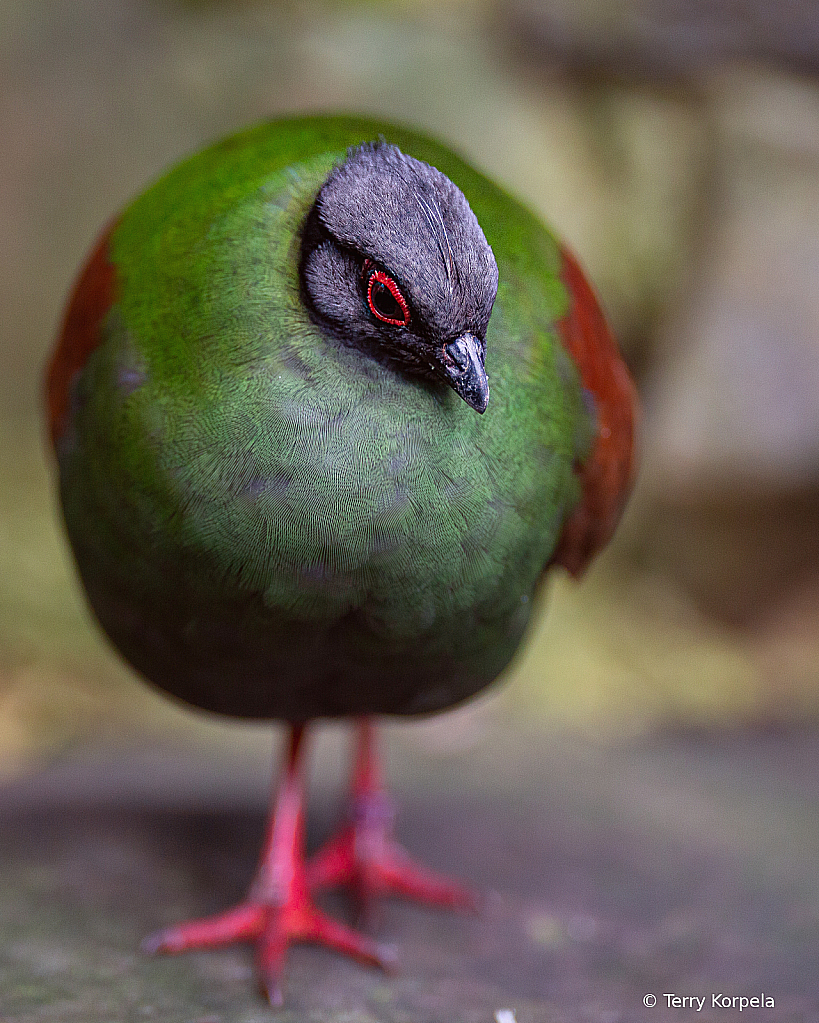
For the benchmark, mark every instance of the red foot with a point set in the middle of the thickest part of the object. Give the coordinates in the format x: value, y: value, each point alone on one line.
x: 365, y: 856
x: 273, y: 929
x: 279, y: 909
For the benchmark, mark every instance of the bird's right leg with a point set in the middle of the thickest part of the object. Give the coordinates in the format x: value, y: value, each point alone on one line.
x: 279, y: 908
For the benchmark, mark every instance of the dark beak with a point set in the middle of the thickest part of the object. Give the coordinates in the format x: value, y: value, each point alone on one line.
x: 464, y: 371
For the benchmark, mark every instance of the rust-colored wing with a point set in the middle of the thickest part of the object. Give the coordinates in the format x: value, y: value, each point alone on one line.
x: 90, y: 301
x: 608, y: 473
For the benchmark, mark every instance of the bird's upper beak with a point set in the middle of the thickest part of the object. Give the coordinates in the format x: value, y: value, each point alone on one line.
x: 464, y: 371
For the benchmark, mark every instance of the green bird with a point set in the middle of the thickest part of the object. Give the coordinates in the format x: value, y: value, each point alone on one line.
x: 326, y: 405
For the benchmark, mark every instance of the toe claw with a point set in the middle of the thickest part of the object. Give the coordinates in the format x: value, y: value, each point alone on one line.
x: 388, y: 957
x: 153, y: 944
x: 272, y: 991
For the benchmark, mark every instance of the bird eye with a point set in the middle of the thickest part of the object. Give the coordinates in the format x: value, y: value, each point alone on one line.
x: 384, y: 297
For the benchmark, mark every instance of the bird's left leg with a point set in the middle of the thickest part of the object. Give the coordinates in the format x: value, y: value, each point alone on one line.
x: 364, y: 854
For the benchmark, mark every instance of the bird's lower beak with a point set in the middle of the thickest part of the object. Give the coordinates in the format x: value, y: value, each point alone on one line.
x: 464, y: 371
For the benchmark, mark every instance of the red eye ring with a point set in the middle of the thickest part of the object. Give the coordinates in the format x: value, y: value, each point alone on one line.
x: 380, y: 277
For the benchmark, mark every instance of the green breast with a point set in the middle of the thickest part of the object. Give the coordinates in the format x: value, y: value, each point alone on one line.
x: 269, y: 523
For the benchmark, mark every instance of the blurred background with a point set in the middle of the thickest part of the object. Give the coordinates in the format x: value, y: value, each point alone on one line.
x: 673, y: 143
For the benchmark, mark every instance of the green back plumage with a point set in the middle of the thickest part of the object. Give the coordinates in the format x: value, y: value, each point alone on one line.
x: 271, y: 523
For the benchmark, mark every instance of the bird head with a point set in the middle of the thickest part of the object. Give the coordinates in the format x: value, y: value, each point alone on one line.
x: 395, y: 263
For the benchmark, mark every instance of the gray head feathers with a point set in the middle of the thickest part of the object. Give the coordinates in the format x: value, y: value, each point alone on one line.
x: 381, y: 208
x: 411, y: 218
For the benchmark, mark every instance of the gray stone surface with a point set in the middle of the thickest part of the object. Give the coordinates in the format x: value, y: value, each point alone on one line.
x: 685, y: 866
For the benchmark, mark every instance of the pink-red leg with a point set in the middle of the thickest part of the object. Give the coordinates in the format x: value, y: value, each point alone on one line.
x: 278, y: 909
x: 364, y: 855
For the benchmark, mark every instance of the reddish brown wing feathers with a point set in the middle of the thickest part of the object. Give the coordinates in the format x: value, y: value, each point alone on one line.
x: 607, y: 474
x: 90, y: 301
